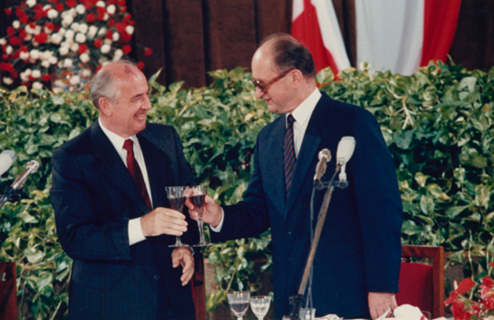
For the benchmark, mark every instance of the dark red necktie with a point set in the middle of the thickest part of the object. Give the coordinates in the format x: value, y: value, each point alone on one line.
x: 289, y: 153
x: 135, y: 171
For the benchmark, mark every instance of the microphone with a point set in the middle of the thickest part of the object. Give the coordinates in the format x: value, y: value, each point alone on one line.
x: 324, y: 157
x: 31, y: 167
x: 7, y: 157
x: 344, y: 153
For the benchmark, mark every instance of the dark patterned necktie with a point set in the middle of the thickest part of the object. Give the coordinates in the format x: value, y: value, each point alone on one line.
x: 289, y: 154
x: 135, y: 171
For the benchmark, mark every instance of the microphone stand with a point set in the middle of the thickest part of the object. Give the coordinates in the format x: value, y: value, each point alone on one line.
x: 298, y: 299
x: 11, y: 196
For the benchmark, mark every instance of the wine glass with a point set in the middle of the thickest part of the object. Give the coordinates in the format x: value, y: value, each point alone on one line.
x: 197, y: 194
x: 260, y: 306
x: 239, y: 303
x: 176, y: 195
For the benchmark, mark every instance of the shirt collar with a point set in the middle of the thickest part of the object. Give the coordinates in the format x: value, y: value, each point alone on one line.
x: 303, y: 112
x: 116, y: 140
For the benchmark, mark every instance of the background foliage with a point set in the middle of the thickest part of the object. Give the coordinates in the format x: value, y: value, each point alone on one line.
x: 437, y: 124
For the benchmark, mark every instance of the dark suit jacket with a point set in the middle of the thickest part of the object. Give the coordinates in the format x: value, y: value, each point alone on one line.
x: 359, y: 250
x: 94, y: 196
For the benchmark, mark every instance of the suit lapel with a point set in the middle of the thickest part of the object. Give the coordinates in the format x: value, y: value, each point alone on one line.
x: 276, y: 176
x: 114, y: 168
x: 309, y: 150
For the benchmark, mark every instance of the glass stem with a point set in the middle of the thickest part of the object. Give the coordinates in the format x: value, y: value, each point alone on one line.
x: 201, y: 229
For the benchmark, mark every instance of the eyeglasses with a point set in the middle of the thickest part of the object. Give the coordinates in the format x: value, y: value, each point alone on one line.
x: 265, y: 86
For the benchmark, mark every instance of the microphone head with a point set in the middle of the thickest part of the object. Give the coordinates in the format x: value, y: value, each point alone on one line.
x: 7, y: 158
x: 346, y: 146
x: 326, y: 154
x: 32, y: 166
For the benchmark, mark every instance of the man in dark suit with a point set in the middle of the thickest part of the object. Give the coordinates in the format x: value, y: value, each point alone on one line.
x: 357, y: 263
x: 111, y: 208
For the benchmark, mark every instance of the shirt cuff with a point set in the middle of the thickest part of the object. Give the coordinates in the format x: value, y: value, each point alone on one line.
x: 218, y: 228
x: 135, y: 231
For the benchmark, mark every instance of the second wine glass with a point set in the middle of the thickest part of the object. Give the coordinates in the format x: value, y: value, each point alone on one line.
x: 197, y: 195
x: 176, y: 195
x: 239, y: 303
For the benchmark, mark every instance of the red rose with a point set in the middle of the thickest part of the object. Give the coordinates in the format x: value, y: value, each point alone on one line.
x: 45, y: 77
x: 41, y: 38
x: 14, y: 75
x: 16, y: 55
x: 90, y: 17
x: 98, y: 43
x: 148, y: 52
x: 140, y: 65
x: 101, y: 13
x: 27, y: 84
x: 31, y: 78
x: 127, y: 17
x: 131, y: 22
x: 38, y: 9
x: 5, y: 57
x: 24, y: 19
x: 19, y: 12
x: 23, y: 49
x: 82, y: 48
x: 126, y: 49
x: 71, y: 3
x: 10, y: 68
x: 108, y: 2
x: 123, y: 8
x: 22, y: 34
x: 120, y: 26
x: 88, y: 5
x: 109, y: 34
x: 125, y: 37
x: 10, y: 31
x: 60, y: 7
x: 14, y: 41
x: 50, y: 26
x: 8, y: 11
x: 121, y: 2
x: 32, y: 25
x: 2, y: 66
x: 111, y: 23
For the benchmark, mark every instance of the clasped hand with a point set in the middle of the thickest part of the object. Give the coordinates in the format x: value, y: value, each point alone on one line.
x: 211, y: 211
x: 163, y: 221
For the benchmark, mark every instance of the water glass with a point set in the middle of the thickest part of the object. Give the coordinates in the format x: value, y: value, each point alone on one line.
x: 260, y: 306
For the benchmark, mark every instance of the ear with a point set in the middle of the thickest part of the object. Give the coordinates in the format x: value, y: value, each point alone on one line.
x: 296, y: 77
x: 105, y: 106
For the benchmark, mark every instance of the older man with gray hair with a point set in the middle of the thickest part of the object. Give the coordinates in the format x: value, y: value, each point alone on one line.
x: 112, y: 213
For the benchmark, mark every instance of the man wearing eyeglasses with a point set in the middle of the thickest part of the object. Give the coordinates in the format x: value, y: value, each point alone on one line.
x: 357, y: 263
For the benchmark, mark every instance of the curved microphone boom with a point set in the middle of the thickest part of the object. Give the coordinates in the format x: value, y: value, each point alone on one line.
x: 344, y: 153
x: 7, y: 158
x: 324, y: 157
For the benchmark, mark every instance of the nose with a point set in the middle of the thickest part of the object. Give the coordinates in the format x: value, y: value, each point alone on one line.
x: 259, y: 93
x: 147, y: 103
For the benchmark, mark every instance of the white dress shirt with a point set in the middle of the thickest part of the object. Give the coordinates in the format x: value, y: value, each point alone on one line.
x: 134, y: 230
x: 302, y: 115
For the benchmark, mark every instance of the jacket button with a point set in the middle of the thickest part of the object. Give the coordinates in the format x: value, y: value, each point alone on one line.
x: 156, y: 277
x: 289, y: 231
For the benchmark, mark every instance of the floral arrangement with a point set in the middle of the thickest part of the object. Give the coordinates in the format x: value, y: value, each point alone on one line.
x: 464, y: 308
x: 47, y: 34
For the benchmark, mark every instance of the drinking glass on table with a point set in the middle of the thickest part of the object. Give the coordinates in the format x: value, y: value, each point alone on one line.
x: 197, y: 194
x: 260, y: 306
x: 239, y: 303
x: 176, y: 195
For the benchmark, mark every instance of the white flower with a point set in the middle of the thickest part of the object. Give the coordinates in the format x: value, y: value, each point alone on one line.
x: 100, y: 4
x: 8, y: 81
x: 34, y: 54
x: 73, y: 13
x: 80, y: 9
x: 48, y: 30
x: 105, y: 48
x: 102, y: 32
x: 28, y: 72
x: 80, y: 38
x: 67, y: 21
x: 47, y: 54
x: 107, y: 41
x: 111, y: 9
x: 83, y: 28
x: 75, y: 80
x: 65, y: 45
x: 106, y: 17
x: 129, y: 29
x: 36, y: 74
x: 9, y: 50
x: 37, y: 30
x: 45, y: 64
x: 116, y: 36
x: 24, y: 77
x: 24, y: 55
x: 52, y: 14
x: 3, y: 41
x: 84, y: 57
x: 69, y: 35
x: 92, y: 32
x: 30, y: 3
x: 75, y: 26
x: 37, y: 85
x: 53, y: 60
x: 28, y: 37
x: 16, y: 24
x: 62, y: 31
x: 86, y: 73
x: 117, y: 54
x: 46, y: 7
x: 56, y: 38
x: 74, y: 47
x: 29, y: 30
x: 63, y: 51
x: 67, y: 63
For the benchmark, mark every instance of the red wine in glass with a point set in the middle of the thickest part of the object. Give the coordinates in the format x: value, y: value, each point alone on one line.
x: 197, y: 196
x: 176, y: 196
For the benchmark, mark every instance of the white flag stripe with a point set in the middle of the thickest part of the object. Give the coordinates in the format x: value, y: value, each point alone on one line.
x: 298, y: 8
x: 390, y: 34
x: 331, y: 33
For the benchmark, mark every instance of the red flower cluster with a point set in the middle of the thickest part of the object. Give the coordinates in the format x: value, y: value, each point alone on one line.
x: 47, y: 32
x: 466, y: 309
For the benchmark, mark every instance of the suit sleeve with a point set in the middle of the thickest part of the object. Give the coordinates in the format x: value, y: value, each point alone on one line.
x: 379, y: 205
x: 83, y: 234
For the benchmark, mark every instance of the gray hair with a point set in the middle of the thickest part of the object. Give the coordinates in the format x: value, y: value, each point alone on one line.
x: 103, y: 85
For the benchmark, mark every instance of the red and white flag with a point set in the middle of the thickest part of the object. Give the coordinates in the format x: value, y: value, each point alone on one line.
x: 314, y: 24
